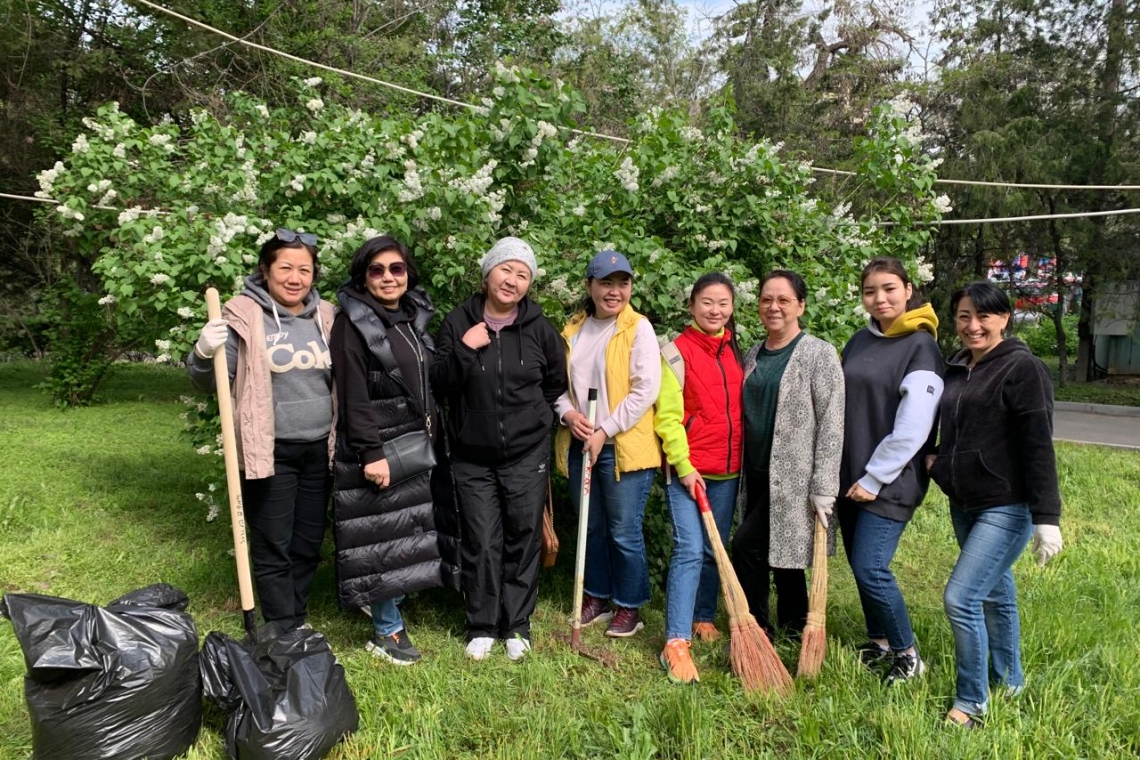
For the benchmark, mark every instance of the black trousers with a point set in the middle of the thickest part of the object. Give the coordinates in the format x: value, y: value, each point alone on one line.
x: 286, y: 516
x: 750, y: 548
x: 500, y: 511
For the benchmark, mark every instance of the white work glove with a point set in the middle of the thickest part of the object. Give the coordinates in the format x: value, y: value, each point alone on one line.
x: 212, y: 337
x: 823, y: 506
x: 1046, y: 542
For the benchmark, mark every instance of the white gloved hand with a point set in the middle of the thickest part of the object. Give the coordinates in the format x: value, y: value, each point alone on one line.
x: 1046, y: 542
x: 823, y: 505
x: 212, y: 337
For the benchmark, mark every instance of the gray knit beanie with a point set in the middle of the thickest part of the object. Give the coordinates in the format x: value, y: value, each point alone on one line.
x: 510, y: 249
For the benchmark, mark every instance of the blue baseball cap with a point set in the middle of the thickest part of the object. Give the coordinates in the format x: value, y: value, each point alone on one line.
x: 606, y: 263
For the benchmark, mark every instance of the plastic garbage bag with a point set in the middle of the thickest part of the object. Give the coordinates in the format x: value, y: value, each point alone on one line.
x: 117, y: 682
x: 286, y: 696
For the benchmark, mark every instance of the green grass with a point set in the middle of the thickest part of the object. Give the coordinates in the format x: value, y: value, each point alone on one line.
x: 95, y: 502
x: 1115, y: 391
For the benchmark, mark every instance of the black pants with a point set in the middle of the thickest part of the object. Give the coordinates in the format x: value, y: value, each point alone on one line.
x: 500, y: 510
x: 286, y: 516
x: 750, y: 548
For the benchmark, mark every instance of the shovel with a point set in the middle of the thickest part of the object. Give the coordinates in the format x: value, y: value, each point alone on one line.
x: 603, y: 656
x: 233, y: 478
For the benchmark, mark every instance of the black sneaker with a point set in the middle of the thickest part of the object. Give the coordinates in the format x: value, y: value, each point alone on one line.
x: 397, y: 649
x: 905, y: 667
x: 626, y: 623
x: 872, y: 655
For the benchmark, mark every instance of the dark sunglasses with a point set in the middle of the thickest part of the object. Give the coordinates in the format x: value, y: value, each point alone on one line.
x: 396, y: 269
x: 289, y: 236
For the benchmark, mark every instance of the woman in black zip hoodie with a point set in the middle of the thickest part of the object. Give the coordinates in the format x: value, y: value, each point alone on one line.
x: 500, y: 366
x: 995, y: 462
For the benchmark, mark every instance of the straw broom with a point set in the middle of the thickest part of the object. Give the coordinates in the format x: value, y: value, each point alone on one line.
x: 750, y: 653
x: 815, y: 632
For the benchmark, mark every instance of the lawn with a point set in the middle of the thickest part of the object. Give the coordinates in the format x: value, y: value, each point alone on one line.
x: 95, y: 502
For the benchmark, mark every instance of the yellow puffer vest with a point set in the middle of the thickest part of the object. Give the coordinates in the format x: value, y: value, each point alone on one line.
x: 638, y: 447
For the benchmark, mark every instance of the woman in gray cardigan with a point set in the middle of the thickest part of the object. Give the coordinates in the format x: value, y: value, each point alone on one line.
x: 793, y: 439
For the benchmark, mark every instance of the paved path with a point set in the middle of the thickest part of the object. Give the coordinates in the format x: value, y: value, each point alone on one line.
x: 1075, y: 422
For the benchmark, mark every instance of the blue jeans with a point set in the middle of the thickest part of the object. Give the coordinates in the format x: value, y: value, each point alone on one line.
x: 981, y: 602
x: 693, y: 580
x: 386, y: 617
x: 871, y: 542
x: 616, y: 566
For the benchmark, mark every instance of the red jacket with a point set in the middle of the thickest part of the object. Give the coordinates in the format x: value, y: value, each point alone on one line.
x: 714, y: 382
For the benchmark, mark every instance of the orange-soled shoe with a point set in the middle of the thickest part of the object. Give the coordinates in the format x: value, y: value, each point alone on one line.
x: 706, y: 631
x: 678, y: 663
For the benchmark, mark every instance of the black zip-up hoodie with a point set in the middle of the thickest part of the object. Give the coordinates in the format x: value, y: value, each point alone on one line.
x: 996, y: 444
x: 499, y: 398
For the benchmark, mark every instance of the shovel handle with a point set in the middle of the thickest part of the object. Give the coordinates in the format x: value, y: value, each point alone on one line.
x: 233, y: 476
x: 583, y: 524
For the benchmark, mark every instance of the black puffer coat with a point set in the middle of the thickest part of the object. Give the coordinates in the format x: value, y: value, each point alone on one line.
x: 403, y: 538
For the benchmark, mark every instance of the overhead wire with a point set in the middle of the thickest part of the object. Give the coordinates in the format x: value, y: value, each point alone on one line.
x: 614, y: 138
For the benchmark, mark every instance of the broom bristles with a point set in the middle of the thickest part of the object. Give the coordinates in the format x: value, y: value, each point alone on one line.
x: 750, y: 653
x: 814, y: 642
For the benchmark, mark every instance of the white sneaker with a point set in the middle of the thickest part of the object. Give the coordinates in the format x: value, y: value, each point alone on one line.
x: 517, y: 647
x: 480, y: 647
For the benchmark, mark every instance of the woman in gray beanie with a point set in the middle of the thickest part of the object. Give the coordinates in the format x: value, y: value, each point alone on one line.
x: 500, y: 366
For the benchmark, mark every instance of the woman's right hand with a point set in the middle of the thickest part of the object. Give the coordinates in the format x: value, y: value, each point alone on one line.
x: 594, y: 443
x: 477, y: 337
x: 377, y: 472
x: 213, y: 336
x: 690, y: 482
x: 579, y: 424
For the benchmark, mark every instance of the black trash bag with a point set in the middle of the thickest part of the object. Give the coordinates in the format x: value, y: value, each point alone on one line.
x: 286, y: 697
x: 114, y: 683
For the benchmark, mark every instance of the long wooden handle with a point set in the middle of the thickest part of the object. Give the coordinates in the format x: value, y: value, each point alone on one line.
x: 233, y: 476
x: 583, y: 524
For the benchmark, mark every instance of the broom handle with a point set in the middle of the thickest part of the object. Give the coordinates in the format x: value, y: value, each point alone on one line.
x: 583, y: 528
x: 818, y: 599
x: 732, y: 603
x: 233, y: 478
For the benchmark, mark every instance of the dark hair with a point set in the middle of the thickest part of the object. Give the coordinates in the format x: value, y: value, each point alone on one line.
x: 987, y: 297
x: 717, y: 278
x: 891, y: 265
x: 799, y: 287
x: 268, y: 255
x: 358, y: 269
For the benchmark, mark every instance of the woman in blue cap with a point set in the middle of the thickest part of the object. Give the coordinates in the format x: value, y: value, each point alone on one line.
x: 612, y: 348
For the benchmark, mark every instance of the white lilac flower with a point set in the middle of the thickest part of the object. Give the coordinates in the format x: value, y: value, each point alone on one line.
x: 924, y: 270
x: 667, y: 174
x: 203, y: 451
x: 498, y: 91
x: 80, y: 145
x: 297, y: 183
x: 627, y: 174
x: 185, y: 312
x: 579, y: 210
x: 309, y: 138
x: 314, y: 104
x: 162, y: 358
x: 159, y: 279
x: 106, y: 300
x: 313, y: 81
x: 263, y: 110
x: 48, y: 177
x: 435, y: 213
x: 942, y: 204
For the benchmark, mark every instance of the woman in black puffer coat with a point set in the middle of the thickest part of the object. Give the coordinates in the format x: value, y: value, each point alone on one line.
x: 392, y: 538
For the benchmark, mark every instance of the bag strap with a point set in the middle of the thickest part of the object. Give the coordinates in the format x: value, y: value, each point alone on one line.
x: 674, y: 359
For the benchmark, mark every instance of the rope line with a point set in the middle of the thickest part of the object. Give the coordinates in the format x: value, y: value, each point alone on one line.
x: 993, y: 220
x: 584, y: 133
x: 981, y: 183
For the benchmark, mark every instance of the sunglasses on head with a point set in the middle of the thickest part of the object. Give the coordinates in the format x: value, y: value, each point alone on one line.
x: 396, y: 269
x: 289, y: 236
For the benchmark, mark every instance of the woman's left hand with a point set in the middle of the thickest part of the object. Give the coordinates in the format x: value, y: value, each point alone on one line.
x: 378, y: 473
x: 593, y: 445
x: 858, y: 493
x: 690, y: 482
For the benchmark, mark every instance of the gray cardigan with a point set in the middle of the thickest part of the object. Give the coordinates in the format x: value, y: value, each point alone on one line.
x: 807, y: 447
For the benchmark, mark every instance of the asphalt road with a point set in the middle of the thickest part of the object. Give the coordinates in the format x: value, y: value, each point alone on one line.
x: 1118, y: 430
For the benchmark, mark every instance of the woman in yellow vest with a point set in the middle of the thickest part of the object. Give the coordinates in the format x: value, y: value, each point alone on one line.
x: 614, y: 349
